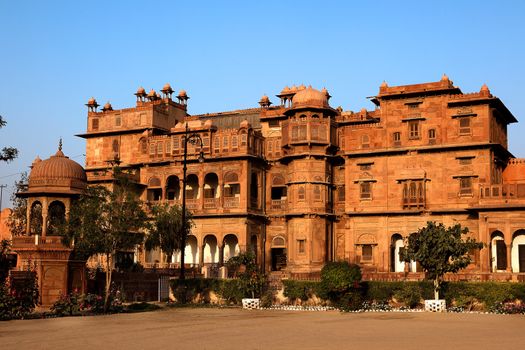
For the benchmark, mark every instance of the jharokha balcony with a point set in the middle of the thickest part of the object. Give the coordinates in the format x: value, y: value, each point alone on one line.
x: 503, y: 193
x: 196, y: 204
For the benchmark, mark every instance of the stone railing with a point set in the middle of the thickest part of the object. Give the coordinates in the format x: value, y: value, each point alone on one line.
x: 211, y: 203
x: 505, y: 191
x: 278, y: 204
x: 231, y: 202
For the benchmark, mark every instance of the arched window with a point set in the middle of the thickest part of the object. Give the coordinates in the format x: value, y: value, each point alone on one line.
x: 56, y: 217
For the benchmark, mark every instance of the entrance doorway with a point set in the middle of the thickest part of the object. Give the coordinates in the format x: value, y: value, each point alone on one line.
x: 278, y: 253
x: 278, y: 259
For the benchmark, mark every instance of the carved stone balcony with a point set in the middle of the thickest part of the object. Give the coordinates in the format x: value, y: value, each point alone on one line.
x: 278, y: 204
x: 211, y: 203
x: 231, y: 202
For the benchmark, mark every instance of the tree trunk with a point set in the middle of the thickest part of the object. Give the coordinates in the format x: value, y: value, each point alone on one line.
x: 436, y: 288
x: 109, y: 271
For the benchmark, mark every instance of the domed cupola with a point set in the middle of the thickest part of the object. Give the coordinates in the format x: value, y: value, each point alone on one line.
x: 57, y: 174
x: 310, y: 98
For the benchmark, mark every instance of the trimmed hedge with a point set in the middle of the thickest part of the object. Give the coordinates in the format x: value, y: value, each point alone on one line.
x: 466, y: 295
x: 201, y: 288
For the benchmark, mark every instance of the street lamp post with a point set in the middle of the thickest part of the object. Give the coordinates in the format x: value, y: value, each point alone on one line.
x: 194, y: 139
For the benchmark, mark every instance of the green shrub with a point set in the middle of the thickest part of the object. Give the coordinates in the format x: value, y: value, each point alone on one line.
x: 409, y: 294
x: 302, y: 290
x: 230, y: 291
x: 17, y: 300
x: 338, y: 278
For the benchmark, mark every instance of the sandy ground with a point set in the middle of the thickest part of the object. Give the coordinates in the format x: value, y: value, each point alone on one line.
x: 242, y: 329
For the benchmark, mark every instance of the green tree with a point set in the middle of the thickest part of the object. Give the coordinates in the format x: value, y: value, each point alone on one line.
x: 8, y: 153
x: 166, y: 229
x: 105, y: 221
x: 439, y: 250
x: 17, y: 221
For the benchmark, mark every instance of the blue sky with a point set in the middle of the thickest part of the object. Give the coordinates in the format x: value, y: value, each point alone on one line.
x: 55, y: 55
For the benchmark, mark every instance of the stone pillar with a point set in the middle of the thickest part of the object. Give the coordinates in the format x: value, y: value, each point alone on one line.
x: 28, y: 217
x: 509, y: 257
x: 221, y: 254
x: 201, y: 255
x: 44, y: 221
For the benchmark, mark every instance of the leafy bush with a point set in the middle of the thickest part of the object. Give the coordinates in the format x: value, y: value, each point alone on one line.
x: 338, y: 279
x: 95, y: 303
x: 302, y: 290
x: 68, y: 304
x: 17, y: 300
x: 245, y: 269
x: 409, y: 294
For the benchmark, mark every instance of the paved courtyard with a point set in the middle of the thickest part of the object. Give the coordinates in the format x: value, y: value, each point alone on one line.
x: 241, y: 329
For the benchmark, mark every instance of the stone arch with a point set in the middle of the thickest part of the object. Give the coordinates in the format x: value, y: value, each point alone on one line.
x: 192, y: 186
x: 56, y: 216
x: 396, y: 246
x: 210, y: 249
x: 211, y: 185
x: 498, y: 251
x: 518, y: 251
x: 191, y: 252
x: 278, y: 242
x: 154, y: 192
x: 35, y: 218
x: 231, y: 246
x: 173, y: 187
x: 278, y: 180
x: 231, y: 177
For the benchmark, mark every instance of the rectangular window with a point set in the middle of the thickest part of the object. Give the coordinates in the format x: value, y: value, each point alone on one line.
x: 302, y: 132
x: 234, y: 142
x: 301, y: 246
x: 464, y: 126
x: 301, y: 193
x: 341, y: 193
x: 413, y: 106
x: 225, y: 141
x: 314, y: 131
x: 160, y: 148
x: 317, y: 193
x: 465, y: 161
x: 175, y: 141
x: 365, y: 141
x: 94, y: 124
x: 413, y: 129
x: 366, y: 252
x: 432, y: 134
x: 217, y: 144
x: 365, y: 190
x: 365, y: 167
x: 295, y: 132
x: 152, y: 149
x: 168, y: 147
x: 414, y: 194
x: 465, y: 186
x: 273, y: 123
x: 244, y: 137
x: 396, y: 137
x: 118, y: 120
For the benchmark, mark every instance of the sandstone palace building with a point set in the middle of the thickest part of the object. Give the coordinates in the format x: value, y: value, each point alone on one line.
x: 302, y: 183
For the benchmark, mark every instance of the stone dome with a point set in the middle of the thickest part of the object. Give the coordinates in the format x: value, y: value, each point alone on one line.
x: 182, y: 93
x: 140, y: 91
x: 310, y: 97
x: 57, y: 174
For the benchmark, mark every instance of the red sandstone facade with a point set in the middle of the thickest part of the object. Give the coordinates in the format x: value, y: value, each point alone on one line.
x: 302, y: 183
